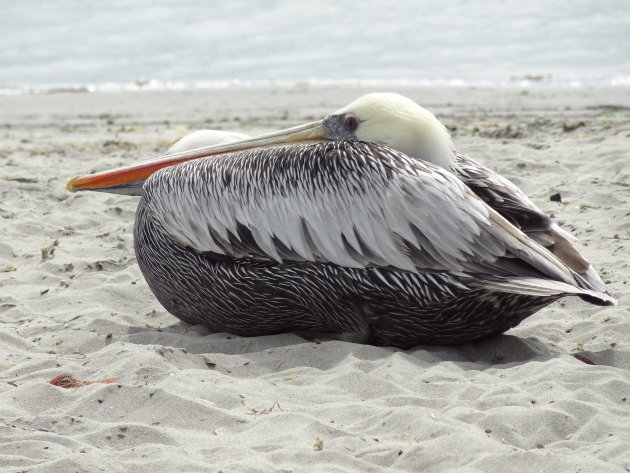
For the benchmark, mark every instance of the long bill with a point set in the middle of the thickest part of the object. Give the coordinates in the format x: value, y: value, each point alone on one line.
x: 129, y: 179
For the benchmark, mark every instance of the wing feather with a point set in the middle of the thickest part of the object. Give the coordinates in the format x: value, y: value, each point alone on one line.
x: 510, y: 202
x: 352, y: 204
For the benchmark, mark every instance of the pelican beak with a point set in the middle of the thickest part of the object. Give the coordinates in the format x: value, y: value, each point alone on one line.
x: 129, y: 179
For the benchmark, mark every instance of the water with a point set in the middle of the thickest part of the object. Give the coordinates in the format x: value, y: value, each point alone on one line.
x: 197, y: 43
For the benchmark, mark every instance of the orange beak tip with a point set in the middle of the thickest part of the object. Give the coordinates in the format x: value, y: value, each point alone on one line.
x: 70, y: 187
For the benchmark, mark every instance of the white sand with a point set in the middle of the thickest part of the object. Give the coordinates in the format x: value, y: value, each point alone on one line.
x: 190, y: 401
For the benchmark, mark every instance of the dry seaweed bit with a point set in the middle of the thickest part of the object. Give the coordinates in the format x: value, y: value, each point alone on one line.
x: 318, y: 446
x: 49, y: 251
x: 109, y: 335
x: 256, y: 412
x: 125, y: 129
x: 583, y: 359
x: 68, y: 381
x: 8, y: 268
x: 21, y: 180
x: 12, y: 384
x: 119, y: 144
x: 572, y: 126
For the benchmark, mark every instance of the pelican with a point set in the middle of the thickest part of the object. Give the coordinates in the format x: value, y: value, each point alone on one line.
x: 365, y: 226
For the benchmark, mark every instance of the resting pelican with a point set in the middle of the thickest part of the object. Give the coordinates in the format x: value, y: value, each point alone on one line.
x: 364, y: 226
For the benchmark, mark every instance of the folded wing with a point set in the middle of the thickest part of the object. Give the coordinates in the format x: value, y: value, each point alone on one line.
x: 346, y: 203
x: 508, y: 200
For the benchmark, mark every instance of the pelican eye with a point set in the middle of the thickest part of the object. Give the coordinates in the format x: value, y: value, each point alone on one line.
x: 351, y: 122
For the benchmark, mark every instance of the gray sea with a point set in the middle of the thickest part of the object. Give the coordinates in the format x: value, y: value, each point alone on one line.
x: 116, y: 44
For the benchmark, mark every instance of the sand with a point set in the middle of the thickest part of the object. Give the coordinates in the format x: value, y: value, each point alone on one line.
x: 174, y: 397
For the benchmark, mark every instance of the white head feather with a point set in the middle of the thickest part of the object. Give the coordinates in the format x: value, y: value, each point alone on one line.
x: 399, y: 123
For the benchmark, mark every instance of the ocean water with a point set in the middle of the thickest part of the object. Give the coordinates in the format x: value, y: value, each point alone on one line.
x: 48, y: 45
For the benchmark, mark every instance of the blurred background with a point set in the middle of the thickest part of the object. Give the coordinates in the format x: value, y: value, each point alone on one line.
x: 119, y: 44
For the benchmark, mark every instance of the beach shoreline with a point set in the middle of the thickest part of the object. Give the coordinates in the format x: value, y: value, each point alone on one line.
x: 73, y: 301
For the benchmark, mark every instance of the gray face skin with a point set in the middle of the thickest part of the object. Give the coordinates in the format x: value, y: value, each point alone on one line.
x: 341, y: 127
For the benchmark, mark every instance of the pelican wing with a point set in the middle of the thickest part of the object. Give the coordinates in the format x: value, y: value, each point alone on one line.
x: 508, y: 200
x: 348, y: 203
x: 503, y: 196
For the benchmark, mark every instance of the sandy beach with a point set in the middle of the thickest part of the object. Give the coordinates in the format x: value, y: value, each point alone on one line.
x: 162, y: 396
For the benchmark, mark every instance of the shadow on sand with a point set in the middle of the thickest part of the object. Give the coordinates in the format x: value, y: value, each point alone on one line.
x: 496, y: 351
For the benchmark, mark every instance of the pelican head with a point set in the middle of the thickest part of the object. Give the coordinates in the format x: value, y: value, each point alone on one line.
x: 394, y: 121
x: 384, y: 118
